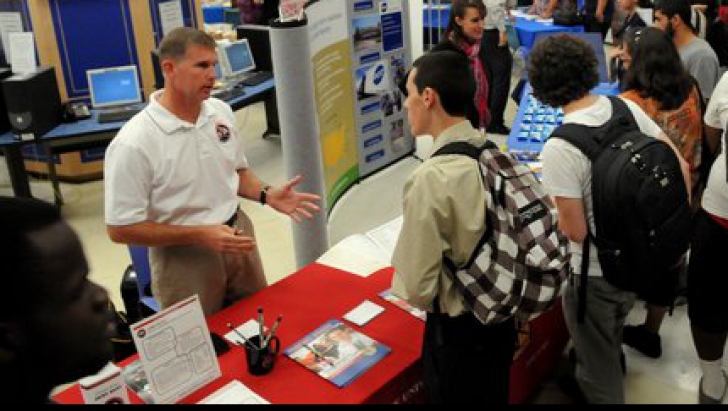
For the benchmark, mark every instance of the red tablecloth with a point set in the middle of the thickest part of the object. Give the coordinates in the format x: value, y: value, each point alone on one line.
x: 317, y: 293
x: 306, y: 299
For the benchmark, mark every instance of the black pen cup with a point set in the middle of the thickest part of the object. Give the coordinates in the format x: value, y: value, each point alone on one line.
x: 261, y: 359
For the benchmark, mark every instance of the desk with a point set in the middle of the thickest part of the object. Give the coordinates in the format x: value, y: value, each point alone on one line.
x: 436, y: 17
x: 306, y: 299
x: 317, y: 293
x: 529, y: 136
x: 90, y: 133
x: 528, y: 30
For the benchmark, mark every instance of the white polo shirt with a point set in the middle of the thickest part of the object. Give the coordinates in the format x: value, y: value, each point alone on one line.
x: 162, y: 169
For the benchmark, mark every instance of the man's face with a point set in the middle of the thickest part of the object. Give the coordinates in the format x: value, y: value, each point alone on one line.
x: 415, y: 106
x: 663, y: 23
x: 193, y: 76
x: 69, y: 327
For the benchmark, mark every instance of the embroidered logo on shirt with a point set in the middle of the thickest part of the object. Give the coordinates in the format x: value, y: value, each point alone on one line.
x: 223, y: 132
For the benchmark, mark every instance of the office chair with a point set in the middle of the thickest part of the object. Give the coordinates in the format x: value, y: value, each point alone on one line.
x: 140, y: 261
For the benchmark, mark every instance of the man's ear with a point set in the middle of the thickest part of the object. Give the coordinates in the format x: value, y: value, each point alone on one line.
x: 166, y: 65
x: 429, y: 96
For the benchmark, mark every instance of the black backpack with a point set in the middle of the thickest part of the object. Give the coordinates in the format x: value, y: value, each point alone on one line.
x: 641, y: 210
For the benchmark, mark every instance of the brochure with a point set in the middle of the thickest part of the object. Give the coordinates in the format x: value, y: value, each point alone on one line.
x: 337, y: 352
x: 387, y: 295
x: 364, y: 254
x: 176, y: 351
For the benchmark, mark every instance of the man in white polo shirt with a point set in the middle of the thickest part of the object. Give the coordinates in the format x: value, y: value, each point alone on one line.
x: 173, y: 175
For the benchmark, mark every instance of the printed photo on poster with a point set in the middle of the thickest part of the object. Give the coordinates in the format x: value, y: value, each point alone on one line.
x: 399, y: 70
x: 391, y: 102
x: 367, y: 33
x: 372, y: 80
x: 396, y: 136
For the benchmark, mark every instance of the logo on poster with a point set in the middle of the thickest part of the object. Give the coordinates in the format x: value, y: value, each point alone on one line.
x: 378, y: 75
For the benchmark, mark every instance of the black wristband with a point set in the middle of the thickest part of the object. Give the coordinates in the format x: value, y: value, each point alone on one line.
x: 264, y: 194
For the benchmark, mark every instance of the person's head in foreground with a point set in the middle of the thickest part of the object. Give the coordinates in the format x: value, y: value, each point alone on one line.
x: 55, y: 324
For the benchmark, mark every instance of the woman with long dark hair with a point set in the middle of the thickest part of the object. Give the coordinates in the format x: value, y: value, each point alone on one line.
x: 657, y: 81
x: 464, y: 34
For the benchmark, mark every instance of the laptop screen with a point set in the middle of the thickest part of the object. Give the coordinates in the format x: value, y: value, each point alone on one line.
x: 239, y: 57
x: 114, y: 86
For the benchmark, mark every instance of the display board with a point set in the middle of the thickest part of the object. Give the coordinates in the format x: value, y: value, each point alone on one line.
x: 360, y: 51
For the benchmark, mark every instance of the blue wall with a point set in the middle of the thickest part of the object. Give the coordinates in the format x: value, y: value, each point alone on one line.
x: 99, y: 33
x: 188, y: 14
x: 92, y: 34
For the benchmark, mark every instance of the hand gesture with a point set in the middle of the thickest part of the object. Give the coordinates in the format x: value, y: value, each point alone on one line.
x: 288, y: 201
x: 222, y: 238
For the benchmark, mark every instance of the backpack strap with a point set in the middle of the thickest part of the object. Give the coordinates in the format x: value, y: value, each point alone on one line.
x: 592, y: 147
x: 467, y: 149
x: 583, y: 277
x: 464, y: 148
x: 586, y: 139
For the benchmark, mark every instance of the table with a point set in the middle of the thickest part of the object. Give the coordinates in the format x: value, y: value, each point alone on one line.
x: 436, y: 17
x: 89, y: 133
x: 307, y: 299
x: 535, y: 121
x: 528, y: 30
x: 317, y: 293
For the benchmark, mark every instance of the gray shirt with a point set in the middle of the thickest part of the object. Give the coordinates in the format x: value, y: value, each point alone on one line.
x: 702, y: 63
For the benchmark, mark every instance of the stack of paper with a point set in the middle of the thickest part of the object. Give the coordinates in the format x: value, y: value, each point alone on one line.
x: 364, y: 254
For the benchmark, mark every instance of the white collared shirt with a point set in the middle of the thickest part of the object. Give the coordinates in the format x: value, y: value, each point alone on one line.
x: 163, y: 169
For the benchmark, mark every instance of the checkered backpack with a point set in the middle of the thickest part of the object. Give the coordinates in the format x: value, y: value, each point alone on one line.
x: 520, y: 264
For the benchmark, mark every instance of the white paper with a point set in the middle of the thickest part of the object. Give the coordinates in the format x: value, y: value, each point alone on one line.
x: 249, y: 329
x: 170, y: 15
x: 386, y: 236
x: 176, y: 351
x: 356, y: 254
x: 22, y: 49
x: 234, y: 392
x: 364, y: 312
x: 364, y: 254
x: 10, y: 22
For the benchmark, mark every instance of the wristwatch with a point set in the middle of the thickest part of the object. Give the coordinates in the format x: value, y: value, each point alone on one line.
x: 264, y: 194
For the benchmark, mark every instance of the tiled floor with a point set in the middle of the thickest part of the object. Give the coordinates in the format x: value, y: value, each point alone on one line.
x: 668, y: 380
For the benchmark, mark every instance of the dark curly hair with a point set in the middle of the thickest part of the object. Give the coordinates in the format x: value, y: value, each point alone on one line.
x: 656, y: 70
x: 562, y: 68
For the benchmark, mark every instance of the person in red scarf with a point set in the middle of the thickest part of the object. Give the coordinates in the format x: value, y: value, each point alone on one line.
x: 463, y: 34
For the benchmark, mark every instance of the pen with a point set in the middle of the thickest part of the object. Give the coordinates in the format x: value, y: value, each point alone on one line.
x: 272, y: 332
x: 239, y: 334
x: 260, y: 325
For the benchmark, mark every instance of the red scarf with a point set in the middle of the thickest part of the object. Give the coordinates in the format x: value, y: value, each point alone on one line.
x: 481, y: 82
